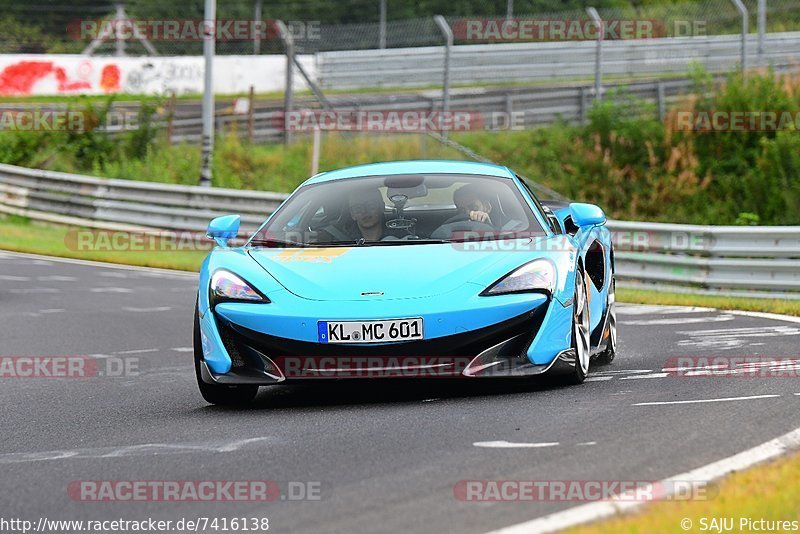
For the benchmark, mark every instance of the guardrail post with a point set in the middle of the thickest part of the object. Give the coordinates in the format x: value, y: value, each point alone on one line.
x: 448, y: 35
x: 288, y: 94
x: 209, y: 42
x: 745, y: 22
x: 251, y: 119
x: 598, y: 56
x: 662, y: 105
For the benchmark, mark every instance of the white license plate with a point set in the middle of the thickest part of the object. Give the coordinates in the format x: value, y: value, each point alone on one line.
x: 370, y: 331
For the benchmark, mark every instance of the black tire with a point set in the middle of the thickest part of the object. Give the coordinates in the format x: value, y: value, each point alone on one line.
x: 222, y: 395
x: 609, y: 353
x: 581, y: 342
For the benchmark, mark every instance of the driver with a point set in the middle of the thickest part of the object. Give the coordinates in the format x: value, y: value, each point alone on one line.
x: 471, y: 203
x: 366, y: 211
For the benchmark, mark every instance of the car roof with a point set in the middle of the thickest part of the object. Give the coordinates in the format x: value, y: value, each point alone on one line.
x: 413, y: 167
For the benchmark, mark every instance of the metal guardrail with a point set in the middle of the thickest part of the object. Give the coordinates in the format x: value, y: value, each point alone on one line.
x: 718, y: 258
x: 530, y: 106
x: 92, y: 201
x: 474, y: 64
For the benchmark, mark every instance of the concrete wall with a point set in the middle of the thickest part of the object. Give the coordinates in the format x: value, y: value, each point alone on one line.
x: 34, y: 74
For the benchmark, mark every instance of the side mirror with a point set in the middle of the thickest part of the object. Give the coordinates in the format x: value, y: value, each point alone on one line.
x: 223, y: 229
x: 586, y: 214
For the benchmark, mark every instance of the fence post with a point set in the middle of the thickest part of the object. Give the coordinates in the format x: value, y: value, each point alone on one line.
x: 448, y: 35
x: 120, y: 41
x: 745, y: 21
x: 598, y: 57
x: 288, y: 94
x: 315, y: 151
x: 209, y: 42
x: 258, y: 25
x: 662, y: 105
x: 382, y: 25
x: 762, y: 28
x: 171, y: 117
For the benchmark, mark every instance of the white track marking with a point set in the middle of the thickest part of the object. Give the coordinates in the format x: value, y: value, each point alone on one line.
x: 598, y: 378
x: 636, y: 377
x: 112, y: 274
x: 145, y: 449
x: 11, y: 278
x: 646, y: 309
x: 56, y: 278
x: 622, y: 372
x: 149, y: 270
x: 699, y: 401
x: 147, y: 310
x: 183, y: 349
x: 586, y: 444
x: 111, y: 290
x: 136, y: 351
x: 729, y: 338
x: 679, y: 320
x: 33, y: 290
x: 510, y: 445
x: 598, y: 510
x: 762, y: 315
x: 52, y: 310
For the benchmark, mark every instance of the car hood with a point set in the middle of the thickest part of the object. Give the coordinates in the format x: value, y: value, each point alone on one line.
x: 382, y: 272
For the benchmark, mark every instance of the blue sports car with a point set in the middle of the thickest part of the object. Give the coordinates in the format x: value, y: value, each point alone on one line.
x: 406, y: 269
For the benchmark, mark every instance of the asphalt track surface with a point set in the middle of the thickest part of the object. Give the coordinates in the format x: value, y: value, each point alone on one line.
x: 386, y: 455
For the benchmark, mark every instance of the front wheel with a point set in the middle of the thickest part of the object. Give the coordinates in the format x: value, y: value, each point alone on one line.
x: 580, y: 331
x: 216, y: 393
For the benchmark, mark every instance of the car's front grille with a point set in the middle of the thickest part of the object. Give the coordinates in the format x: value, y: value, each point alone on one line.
x: 246, y: 344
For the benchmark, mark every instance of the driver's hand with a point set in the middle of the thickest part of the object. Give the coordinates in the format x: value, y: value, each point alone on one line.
x: 479, y: 216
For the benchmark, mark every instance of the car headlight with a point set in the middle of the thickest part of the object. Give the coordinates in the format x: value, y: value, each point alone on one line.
x: 535, y: 276
x: 226, y: 286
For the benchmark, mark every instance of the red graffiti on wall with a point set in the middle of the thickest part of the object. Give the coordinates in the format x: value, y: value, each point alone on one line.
x: 109, y: 79
x: 20, y: 78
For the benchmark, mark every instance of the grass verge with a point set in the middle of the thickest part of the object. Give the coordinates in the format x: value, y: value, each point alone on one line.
x: 21, y: 235
x: 646, y: 296
x: 769, y: 492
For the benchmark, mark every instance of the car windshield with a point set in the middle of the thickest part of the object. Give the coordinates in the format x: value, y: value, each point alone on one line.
x: 401, y: 210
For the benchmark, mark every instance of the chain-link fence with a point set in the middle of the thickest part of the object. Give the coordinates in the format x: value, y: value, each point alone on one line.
x: 330, y: 25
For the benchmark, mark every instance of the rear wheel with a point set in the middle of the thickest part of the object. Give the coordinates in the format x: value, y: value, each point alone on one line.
x: 608, y: 354
x: 217, y: 393
x: 580, y: 331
